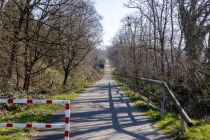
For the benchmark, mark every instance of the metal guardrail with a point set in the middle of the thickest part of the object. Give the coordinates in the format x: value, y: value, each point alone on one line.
x: 184, y: 116
x: 65, y: 126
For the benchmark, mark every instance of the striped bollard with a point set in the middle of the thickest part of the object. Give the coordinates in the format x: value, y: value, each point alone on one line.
x: 67, y: 121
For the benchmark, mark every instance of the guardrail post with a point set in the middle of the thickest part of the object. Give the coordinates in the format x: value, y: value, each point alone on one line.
x: 148, y: 99
x: 182, y: 130
x: 148, y: 95
x: 163, y: 103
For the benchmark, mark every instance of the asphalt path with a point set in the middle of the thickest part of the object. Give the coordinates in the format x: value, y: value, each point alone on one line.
x: 100, y: 113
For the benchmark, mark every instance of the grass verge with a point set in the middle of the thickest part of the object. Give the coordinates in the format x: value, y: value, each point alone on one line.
x: 170, y: 124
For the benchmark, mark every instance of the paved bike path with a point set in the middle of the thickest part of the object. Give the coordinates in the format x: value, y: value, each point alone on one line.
x: 101, y: 114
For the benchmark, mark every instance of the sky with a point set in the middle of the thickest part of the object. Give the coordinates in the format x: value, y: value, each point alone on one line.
x: 112, y: 12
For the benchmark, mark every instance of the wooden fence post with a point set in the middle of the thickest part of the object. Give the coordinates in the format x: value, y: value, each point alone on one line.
x: 182, y: 125
x: 148, y: 99
x: 149, y: 94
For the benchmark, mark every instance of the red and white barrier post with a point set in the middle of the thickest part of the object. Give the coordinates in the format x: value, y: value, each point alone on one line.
x: 66, y: 125
x: 67, y: 121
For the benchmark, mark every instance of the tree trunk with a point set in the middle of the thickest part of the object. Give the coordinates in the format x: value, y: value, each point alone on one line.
x: 2, y: 4
x: 208, y: 51
x: 155, y: 51
x: 27, y: 78
x: 17, y: 72
x: 1, y: 12
x: 66, y: 74
x: 12, y: 54
x: 209, y: 40
x: 28, y: 67
x: 171, y: 41
x: 193, y: 48
x: 16, y: 31
x: 162, y: 56
x: 11, y: 62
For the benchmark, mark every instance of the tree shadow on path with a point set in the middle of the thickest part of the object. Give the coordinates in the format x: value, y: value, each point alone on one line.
x: 115, y: 120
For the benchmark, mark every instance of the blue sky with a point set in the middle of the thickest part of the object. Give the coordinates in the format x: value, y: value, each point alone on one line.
x: 112, y: 12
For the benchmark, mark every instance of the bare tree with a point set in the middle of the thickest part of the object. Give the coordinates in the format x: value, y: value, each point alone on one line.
x: 40, y: 34
x: 83, y: 35
x: 159, y: 12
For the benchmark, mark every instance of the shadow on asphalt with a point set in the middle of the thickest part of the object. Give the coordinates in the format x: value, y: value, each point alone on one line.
x: 115, y: 121
x: 90, y: 116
